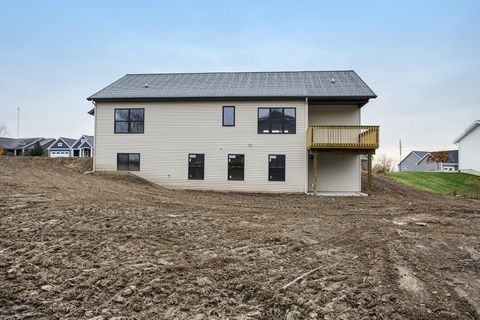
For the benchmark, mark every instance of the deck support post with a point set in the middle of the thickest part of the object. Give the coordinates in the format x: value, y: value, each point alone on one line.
x: 315, y: 169
x: 369, y: 174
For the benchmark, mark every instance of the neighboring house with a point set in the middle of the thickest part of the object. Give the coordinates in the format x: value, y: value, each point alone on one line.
x: 62, y: 147
x: 44, y: 144
x: 17, y: 147
x: 418, y: 161
x: 469, y: 149
x: 83, y: 147
x: 241, y: 131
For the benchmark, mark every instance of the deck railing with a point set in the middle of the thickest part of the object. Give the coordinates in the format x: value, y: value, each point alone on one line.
x: 343, y: 137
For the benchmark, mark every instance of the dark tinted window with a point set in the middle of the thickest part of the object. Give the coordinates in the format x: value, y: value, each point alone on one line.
x: 122, y: 161
x: 129, y: 120
x: 276, y: 167
x: 276, y: 120
x: 196, y: 166
x: 128, y: 161
x: 228, y: 116
x: 236, y: 165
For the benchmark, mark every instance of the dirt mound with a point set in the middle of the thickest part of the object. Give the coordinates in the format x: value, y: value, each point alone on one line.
x: 383, y: 184
x: 78, y: 165
x: 99, y: 246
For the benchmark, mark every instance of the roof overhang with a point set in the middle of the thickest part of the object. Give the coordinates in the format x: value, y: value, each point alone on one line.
x: 361, y: 101
x: 467, y: 131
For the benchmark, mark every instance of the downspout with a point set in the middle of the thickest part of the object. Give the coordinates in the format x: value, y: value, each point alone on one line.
x: 306, y: 150
x: 94, y: 153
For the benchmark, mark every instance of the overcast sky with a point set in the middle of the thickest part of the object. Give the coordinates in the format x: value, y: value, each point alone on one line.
x: 422, y: 58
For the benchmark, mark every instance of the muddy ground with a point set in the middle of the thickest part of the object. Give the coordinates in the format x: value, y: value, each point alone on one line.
x: 113, y: 247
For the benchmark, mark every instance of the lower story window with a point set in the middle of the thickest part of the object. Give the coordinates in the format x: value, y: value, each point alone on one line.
x: 276, y: 167
x: 196, y: 166
x: 236, y: 166
x: 128, y: 161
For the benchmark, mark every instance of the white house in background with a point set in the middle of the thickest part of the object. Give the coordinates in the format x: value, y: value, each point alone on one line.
x: 469, y: 149
x: 62, y: 147
x: 236, y: 131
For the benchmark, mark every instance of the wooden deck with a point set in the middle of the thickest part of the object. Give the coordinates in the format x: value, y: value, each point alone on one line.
x: 361, y: 139
x: 353, y: 139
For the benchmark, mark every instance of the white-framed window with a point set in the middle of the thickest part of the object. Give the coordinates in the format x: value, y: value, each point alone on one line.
x: 60, y: 144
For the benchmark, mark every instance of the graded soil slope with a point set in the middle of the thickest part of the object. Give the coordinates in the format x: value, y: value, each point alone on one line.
x: 76, y: 245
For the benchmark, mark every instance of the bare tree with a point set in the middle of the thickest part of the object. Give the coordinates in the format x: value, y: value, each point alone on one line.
x: 438, y: 157
x: 383, y: 164
x: 3, y: 130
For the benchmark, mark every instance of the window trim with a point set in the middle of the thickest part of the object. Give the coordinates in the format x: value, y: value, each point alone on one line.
x: 284, y: 167
x: 129, y: 153
x: 203, y: 167
x: 223, y: 116
x: 128, y: 121
x: 228, y: 166
x: 283, y: 112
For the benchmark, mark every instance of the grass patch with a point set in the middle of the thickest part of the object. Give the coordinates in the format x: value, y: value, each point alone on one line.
x: 440, y: 182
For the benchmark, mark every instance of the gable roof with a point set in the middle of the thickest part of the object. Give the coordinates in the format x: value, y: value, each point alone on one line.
x: 20, y: 143
x: 332, y: 85
x: 418, y: 154
x: 90, y: 140
x: 421, y: 155
x: 452, y: 156
x: 68, y: 141
x: 467, y: 131
x: 79, y: 143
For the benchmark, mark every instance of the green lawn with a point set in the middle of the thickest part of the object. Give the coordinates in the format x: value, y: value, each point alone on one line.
x: 440, y: 182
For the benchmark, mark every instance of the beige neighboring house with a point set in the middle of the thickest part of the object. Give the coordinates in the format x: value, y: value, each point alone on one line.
x: 469, y: 149
x: 236, y: 131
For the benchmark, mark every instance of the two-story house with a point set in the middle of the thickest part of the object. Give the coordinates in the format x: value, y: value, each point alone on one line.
x: 236, y: 131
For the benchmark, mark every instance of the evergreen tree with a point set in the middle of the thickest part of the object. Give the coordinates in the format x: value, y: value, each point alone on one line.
x: 37, y: 150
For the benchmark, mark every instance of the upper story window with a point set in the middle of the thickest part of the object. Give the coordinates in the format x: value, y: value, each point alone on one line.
x: 129, y: 120
x: 277, y: 120
x: 228, y: 116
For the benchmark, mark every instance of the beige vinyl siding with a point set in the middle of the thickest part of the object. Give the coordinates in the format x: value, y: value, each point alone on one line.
x: 175, y: 129
x: 337, y: 172
x: 333, y: 115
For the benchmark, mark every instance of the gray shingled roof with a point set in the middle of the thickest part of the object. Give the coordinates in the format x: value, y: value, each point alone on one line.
x: 19, y: 143
x: 68, y: 141
x: 90, y: 140
x: 421, y: 154
x: 292, y: 84
x: 452, y: 155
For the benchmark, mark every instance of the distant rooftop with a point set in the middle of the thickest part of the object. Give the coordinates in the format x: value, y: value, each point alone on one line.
x: 324, y: 85
x: 452, y: 155
x: 16, y: 143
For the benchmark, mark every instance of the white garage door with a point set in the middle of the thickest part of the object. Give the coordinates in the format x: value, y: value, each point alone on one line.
x: 57, y: 154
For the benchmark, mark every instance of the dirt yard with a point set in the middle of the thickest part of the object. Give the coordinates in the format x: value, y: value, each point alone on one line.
x: 76, y: 245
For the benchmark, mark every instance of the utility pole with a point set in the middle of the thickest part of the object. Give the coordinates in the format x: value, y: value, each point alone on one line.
x: 400, y: 149
x: 18, y: 122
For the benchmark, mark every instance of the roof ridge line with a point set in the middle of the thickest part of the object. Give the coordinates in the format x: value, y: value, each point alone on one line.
x: 225, y: 72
